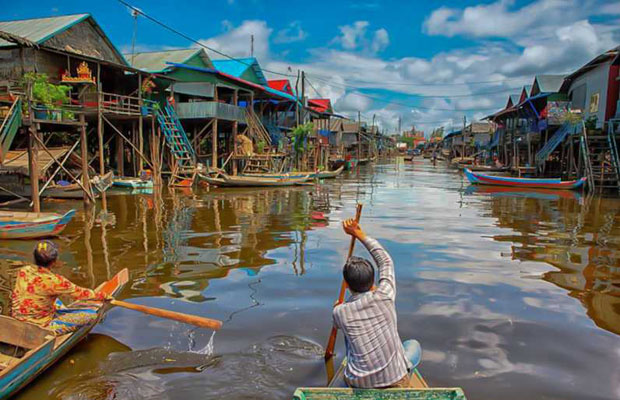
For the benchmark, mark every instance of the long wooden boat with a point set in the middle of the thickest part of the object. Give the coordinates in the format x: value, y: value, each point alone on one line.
x: 337, y: 390
x: 553, y: 183
x: 28, y: 349
x: 98, y: 183
x: 224, y: 180
x: 132, y: 183
x: 29, y: 225
x: 300, y: 175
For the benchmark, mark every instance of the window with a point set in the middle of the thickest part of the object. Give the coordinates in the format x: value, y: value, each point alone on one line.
x: 578, y: 97
x: 594, y: 100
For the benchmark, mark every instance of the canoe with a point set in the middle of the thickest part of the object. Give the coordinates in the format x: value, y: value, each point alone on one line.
x: 553, y: 183
x: 29, y: 225
x: 299, y: 175
x: 224, y: 180
x: 29, y: 349
x: 337, y: 390
x: 132, y: 183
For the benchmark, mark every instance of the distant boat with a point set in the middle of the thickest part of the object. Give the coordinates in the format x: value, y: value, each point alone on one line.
x: 299, y: 175
x: 552, y: 183
x: 133, y: 183
x: 224, y: 180
x: 30, y: 225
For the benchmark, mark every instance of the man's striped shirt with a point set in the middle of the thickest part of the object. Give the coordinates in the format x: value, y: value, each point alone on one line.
x: 375, y: 353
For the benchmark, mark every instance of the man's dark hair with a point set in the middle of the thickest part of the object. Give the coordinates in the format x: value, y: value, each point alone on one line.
x: 359, y: 274
x: 45, y: 253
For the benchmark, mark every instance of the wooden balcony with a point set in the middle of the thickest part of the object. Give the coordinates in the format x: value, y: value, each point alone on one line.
x: 211, y: 109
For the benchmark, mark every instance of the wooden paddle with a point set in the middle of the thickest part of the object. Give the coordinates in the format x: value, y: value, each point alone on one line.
x: 177, y: 316
x: 329, y: 350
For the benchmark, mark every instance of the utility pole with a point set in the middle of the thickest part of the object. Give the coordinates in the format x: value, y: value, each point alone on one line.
x: 399, y: 121
x: 134, y: 14
x: 251, y: 45
x: 463, y: 135
x: 303, y: 97
x: 359, y: 136
x: 297, y: 95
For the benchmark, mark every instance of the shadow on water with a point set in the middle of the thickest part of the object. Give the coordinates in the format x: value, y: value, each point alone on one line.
x: 513, y: 294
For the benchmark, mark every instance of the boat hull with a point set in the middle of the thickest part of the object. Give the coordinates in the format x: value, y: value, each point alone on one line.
x: 245, y: 181
x: 557, y: 184
x: 49, y: 224
x: 38, y: 360
x: 133, y: 183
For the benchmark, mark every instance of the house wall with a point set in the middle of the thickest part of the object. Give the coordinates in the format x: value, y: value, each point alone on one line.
x: 84, y: 39
x: 15, y: 62
x: 591, y: 83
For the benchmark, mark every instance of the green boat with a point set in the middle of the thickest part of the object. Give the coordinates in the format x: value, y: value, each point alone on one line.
x: 336, y: 390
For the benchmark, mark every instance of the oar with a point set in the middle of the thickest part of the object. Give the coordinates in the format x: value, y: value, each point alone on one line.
x: 329, y: 350
x: 177, y: 316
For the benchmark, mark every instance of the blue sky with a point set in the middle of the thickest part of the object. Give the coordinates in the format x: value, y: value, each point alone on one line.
x: 428, y: 62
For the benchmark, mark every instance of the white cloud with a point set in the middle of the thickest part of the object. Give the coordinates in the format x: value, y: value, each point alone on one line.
x: 351, y: 35
x: 290, y: 34
x: 236, y: 41
x: 353, y: 102
x: 380, y: 40
x: 500, y: 19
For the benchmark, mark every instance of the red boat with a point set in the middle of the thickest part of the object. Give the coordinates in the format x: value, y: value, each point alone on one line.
x: 552, y: 183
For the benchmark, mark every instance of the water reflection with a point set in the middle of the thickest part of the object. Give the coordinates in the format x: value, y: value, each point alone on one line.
x: 512, y: 293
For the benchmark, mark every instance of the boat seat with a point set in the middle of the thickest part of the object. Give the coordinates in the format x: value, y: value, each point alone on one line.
x: 6, y: 360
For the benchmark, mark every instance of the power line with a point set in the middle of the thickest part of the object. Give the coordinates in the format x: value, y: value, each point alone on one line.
x: 345, y: 86
x: 163, y: 25
x: 313, y: 88
x: 423, y: 84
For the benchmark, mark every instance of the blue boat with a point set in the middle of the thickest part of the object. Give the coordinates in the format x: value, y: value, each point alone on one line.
x: 30, y: 225
x: 29, y: 349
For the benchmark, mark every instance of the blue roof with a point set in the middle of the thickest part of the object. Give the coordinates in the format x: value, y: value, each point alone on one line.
x: 237, y: 67
x: 215, y: 71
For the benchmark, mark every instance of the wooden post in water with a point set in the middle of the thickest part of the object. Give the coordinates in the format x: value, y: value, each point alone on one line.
x: 140, y: 122
x: 84, y: 154
x: 104, y: 201
x: 235, y: 130
x: 214, y: 135
x: 33, y: 155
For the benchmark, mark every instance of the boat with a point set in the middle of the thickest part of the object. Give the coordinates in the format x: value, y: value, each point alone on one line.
x: 132, y: 183
x: 299, y: 175
x: 28, y: 349
x: 225, y: 180
x: 98, y: 183
x: 30, y: 225
x: 337, y: 390
x: 484, y: 168
x: 552, y: 183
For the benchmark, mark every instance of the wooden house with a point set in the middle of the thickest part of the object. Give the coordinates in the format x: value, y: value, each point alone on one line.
x: 103, y: 105
x: 593, y: 88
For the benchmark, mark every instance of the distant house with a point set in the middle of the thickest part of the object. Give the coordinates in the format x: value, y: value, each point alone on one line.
x: 593, y: 88
x: 244, y: 68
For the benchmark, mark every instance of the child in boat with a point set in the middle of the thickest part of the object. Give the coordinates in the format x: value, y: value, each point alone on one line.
x: 37, y: 288
x: 376, y: 357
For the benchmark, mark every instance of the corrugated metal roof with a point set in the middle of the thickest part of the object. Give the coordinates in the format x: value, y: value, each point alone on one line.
x: 548, y: 83
x: 39, y: 30
x: 203, y: 89
x: 157, y: 61
x: 237, y: 67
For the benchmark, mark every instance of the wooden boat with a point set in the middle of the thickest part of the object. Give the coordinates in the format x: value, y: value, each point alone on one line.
x: 224, y: 180
x: 132, y: 183
x: 299, y: 175
x: 28, y: 349
x: 337, y: 163
x: 553, y: 183
x: 484, y: 168
x: 98, y: 183
x: 337, y: 390
x: 29, y: 225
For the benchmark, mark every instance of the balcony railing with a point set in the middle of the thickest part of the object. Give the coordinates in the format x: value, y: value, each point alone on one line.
x: 211, y: 109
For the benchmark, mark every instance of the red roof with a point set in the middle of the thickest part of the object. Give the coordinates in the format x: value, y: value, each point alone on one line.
x: 282, y: 85
x: 320, y: 105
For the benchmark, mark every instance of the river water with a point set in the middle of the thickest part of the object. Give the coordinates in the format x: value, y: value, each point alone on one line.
x: 512, y: 294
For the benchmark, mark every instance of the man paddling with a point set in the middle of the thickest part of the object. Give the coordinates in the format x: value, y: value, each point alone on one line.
x: 376, y: 357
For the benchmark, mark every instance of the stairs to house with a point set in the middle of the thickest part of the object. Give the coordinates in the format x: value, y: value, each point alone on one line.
x: 552, y: 144
x: 184, y: 167
x: 602, y: 165
x: 10, y: 121
x: 257, y: 130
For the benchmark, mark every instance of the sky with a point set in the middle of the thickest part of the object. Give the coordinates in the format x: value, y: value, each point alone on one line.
x: 428, y: 63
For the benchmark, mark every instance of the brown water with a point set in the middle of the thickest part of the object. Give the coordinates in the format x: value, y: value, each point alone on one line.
x: 512, y: 294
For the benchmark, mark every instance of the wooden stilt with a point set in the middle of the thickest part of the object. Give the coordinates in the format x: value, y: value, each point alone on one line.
x: 214, y: 137
x: 235, y: 130
x: 84, y: 155
x: 34, y: 167
x: 104, y: 200
x: 120, y: 156
x: 140, y: 124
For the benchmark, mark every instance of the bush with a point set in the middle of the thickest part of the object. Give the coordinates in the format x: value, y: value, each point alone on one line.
x: 45, y: 93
